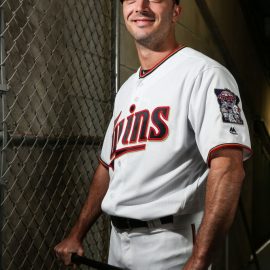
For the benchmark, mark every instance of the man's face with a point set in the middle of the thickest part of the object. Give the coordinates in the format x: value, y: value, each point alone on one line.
x: 150, y: 22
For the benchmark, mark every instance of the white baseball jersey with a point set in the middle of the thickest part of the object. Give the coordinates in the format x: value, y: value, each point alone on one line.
x: 165, y: 126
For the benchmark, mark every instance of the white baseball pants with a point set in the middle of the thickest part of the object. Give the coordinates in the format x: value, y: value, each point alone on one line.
x: 165, y: 248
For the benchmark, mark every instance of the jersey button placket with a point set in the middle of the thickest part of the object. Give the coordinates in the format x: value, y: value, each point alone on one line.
x: 126, y: 242
x: 139, y: 83
x: 137, y: 91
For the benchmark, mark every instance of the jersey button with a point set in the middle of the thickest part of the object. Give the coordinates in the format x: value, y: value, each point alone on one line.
x: 119, y: 163
x: 140, y: 83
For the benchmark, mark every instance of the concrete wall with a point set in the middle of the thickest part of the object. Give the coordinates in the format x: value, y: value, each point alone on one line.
x: 235, y: 33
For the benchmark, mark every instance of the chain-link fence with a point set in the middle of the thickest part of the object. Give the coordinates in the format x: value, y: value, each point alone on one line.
x: 56, y: 91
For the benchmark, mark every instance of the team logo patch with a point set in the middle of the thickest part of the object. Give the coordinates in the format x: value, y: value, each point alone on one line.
x: 228, y: 103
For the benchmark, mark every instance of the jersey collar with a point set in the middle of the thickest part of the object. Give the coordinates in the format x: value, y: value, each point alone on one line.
x: 143, y: 74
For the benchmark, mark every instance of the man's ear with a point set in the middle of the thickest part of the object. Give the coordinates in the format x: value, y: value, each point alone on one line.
x: 176, y: 13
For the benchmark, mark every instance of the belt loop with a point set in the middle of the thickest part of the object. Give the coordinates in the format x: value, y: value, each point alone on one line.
x: 128, y: 224
x: 193, y: 229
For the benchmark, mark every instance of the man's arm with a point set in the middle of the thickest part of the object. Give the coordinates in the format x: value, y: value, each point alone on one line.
x: 223, y: 189
x: 90, y: 211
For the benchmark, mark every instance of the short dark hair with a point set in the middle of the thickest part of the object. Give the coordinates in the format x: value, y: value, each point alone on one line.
x: 176, y: 1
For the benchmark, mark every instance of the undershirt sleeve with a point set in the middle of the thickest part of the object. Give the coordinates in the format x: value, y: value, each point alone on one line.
x: 216, y: 114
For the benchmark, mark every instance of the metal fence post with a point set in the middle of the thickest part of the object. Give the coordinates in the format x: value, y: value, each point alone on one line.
x: 3, y: 134
x: 115, y: 47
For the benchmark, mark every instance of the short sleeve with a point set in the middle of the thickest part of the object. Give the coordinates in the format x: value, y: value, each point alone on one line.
x: 106, y: 147
x: 216, y: 114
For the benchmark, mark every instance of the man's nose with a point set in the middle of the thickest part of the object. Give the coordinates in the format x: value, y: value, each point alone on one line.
x: 141, y: 5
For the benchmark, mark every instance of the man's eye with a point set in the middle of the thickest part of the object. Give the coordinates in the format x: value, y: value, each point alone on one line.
x: 129, y: 1
x: 133, y: 1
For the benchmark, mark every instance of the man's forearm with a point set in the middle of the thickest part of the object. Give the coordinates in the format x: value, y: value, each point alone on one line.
x: 91, y: 209
x: 222, y: 194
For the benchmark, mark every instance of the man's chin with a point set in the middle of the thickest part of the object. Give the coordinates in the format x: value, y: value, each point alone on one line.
x: 144, y: 39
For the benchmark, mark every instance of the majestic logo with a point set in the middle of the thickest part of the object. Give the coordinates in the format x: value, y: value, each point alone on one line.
x: 233, y: 131
x: 228, y: 103
x: 137, y: 129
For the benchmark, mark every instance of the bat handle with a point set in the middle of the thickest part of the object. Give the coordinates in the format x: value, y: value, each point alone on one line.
x: 97, y: 265
x: 75, y: 258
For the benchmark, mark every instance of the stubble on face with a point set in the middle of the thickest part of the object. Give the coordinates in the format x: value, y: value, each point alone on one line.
x: 155, y: 31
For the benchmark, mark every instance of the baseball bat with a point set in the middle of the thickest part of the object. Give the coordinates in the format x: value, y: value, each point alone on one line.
x: 92, y: 263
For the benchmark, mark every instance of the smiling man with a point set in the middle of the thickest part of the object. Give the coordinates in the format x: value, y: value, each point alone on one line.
x: 171, y: 166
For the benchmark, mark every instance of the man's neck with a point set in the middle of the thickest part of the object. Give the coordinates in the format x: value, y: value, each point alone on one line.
x: 150, y: 57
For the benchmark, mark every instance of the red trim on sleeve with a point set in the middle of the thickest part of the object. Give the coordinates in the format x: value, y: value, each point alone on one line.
x: 104, y: 163
x: 227, y: 145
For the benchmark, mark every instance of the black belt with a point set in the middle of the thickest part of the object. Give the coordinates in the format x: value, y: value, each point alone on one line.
x: 130, y: 223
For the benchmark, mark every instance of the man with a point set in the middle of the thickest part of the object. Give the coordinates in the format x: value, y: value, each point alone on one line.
x: 171, y: 166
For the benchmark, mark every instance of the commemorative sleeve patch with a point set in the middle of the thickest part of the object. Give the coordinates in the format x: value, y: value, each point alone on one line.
x: 228, y: 104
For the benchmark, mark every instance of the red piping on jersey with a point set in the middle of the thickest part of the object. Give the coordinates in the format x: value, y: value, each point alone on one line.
x: 227, y: 145
x: 103, y: 163
x: 122, y: 151
x: 141, y: 75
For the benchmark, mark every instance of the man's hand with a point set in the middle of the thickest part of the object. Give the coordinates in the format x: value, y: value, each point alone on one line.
x: 68, y: 246
x: 90, y: 212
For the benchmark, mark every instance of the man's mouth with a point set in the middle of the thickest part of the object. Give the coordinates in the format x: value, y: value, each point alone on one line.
x: 143, y: 21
